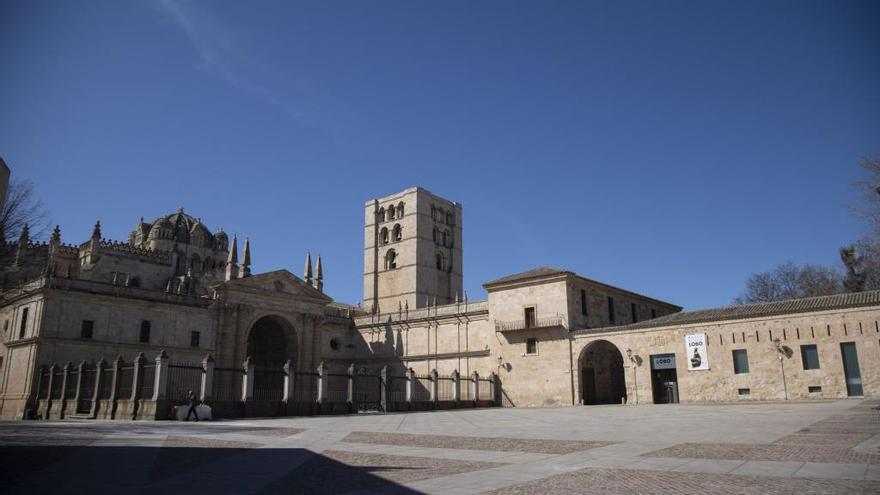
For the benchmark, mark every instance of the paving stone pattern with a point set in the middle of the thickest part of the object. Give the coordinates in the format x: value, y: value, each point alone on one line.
x: 474, y: 443
x: 628, y: 482
x: 340, y: 472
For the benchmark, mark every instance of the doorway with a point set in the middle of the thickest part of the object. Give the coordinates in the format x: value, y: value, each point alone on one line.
x: 851, y: 369
x: 602, y: 378
x: 664, y: 379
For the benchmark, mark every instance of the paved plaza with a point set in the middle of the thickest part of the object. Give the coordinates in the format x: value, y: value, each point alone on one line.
x: 815, y: 447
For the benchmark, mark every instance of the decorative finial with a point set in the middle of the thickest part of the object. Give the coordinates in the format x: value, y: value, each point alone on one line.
x: 307, y: 272
x: 233, y: 251
x: 56, y: 234
x: 96, y: 232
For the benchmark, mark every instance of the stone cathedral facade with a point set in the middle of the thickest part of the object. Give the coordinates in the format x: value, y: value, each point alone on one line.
x: 553, y: 337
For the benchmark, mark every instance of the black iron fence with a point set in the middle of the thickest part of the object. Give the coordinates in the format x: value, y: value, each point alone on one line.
x: 183, y: 378
x: 268, y: 384
x: 227, y: 384
x: 125, y: 381
x: 148, y: 382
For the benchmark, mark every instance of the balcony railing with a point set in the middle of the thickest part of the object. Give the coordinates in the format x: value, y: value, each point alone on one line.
x: 548, y: 322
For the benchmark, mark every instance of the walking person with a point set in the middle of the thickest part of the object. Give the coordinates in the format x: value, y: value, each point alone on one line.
x: 193, y: 402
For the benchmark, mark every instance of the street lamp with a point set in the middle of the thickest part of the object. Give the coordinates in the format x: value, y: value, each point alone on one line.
x: 784, y: 352
x: 635, y: 363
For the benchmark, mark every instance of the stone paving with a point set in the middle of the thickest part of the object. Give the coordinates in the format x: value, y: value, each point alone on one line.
x: 809, y: 447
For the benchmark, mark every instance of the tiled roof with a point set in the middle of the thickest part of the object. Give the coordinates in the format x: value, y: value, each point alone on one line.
x: 534, y: 273
x: 791, y: 306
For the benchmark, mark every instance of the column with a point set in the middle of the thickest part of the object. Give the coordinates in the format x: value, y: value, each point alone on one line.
x: 456, y: 386
x: 410, y: 381
x: 160, y: 384
x: 475, y: 386
x: 99, y: 379
x: 323, y: 382
x: 64, y: 384
x: 433, y: 376
x: 247, y: 384
x: 352, y: 370
x: 289, y: 381
x: 207, y: 378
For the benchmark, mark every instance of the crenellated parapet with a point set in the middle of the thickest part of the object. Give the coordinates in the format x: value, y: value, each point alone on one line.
x: 131, y: 250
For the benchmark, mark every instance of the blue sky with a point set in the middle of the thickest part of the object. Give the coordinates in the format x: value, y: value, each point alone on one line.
x: 671, y: 148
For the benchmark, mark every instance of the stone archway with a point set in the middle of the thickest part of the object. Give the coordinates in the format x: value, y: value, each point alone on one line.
x: 601, y: 373
x: 271, y: 342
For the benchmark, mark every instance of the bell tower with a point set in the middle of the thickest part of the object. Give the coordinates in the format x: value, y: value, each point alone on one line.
x: 412, y: 251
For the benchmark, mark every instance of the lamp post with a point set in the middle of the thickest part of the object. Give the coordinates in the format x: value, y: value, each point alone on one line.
x: 783, y: 353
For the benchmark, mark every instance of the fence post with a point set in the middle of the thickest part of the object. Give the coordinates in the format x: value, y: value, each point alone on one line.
x: 247, y: 385
x: 493, y: 388
x: 289, y: 381
x: 83, y: 365
x: 456, y: 386
x: 323, y: 382
x: 410, y: 378
x: 475, y: 386
x: 160, y: 378
x: 433, y: 376
x: 114, y: 385
x: 64, y: 384
x: 99, y: 377
x: 137, y: 381
x: 207, y: 378
x: 52, y: 370
x: 383, y: 388
x: 352, y: 370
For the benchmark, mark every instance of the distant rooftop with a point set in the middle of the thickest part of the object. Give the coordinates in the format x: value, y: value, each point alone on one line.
x: 790, y: 306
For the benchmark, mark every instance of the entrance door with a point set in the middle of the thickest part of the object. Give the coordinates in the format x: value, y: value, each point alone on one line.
x: 664, y: 379
x: 589, y: 384
x: 851, y: 368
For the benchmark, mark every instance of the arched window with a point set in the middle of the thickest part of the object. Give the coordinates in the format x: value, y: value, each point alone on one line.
x: 450, y: 218
x: 397, y: 233
x: 441, y: 263
x: 390, y: 260
x: 436, y: 235
x: 384, y: 235
x: 433, y: 212
x: 390, y: 213
x: 445, y: 236
x: 381, y: 215
x: 400, y: 210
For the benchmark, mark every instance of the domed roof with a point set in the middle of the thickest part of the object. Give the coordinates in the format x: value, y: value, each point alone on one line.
x: 183, y: 227
x: 221, y: 235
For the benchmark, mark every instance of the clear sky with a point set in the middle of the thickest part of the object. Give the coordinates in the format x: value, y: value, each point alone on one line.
x: 671, y: 148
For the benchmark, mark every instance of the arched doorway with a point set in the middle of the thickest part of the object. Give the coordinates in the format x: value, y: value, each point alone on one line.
x: 271, y: 343
x: 601, y: 374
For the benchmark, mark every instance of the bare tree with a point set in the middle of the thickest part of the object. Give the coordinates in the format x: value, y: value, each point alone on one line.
x: 790, y: 281
x: 23, y: 207
x: 869, y: 207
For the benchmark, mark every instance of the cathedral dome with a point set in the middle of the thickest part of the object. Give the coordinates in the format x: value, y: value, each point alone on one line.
x: 182, y: 228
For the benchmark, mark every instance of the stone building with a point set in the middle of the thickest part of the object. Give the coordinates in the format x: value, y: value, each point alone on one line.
x: 551, y: 336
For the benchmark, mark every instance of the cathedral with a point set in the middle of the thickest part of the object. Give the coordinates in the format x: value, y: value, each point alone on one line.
x: 176, y: 290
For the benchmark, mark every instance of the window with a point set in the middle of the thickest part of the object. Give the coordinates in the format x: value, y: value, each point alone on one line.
x: 611, y: 309
x: 194, y: 339
x: 744, y: 391
x: 740, y: 361
x: 24, y: 315
x: 584, y: 302
x: 381, y: 215
x: 145, y: 332
x: 433, y: 212
x: 383, y: 234
x: 530, y: 317
x: 391, y: 212
x: 814, y: 390
x: 450, y: 219
x: 633, y: 312
x: 436, y: 235
x: 390, y: 260
x: 441, y: 263
x: 531, y: 345
x: 400, y: 210
x: 445, y: 236
x: 87, y: 329
x: 810, y: 357
x: 653, y: 313
x: 397, y: 234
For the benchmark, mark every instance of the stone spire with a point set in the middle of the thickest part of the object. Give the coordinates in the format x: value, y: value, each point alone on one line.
x: 246, y: 259
x: 56, y: 235
x: 307, y: 273
x: 23, y: 240
x: 319, y: 278
x: 96, y: 232
x: 232, y: 260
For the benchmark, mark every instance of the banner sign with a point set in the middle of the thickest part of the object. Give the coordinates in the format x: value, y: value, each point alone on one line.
x: 697, y: 356
x: 663, y: 362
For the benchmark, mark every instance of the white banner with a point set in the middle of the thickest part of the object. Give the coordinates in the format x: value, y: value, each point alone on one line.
x: 697, y: 357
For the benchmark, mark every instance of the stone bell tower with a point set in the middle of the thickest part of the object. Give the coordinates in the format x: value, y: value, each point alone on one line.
x: 412, y: 251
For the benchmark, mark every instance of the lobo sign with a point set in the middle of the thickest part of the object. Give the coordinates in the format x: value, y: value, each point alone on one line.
x: 697, y: 357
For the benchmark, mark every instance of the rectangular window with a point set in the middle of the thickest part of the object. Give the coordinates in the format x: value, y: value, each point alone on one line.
x: 24, y: 315
x: 531, y: 345
x: 85, y: 331
x: 740, y: 361
x: 815, y: 390
x: 634, y: 312
x: 653, y: 313
x: 145, y: 332
x: 810, y: 357
x: 584, y: 302
x: 611, y: 309
x: 194, y: 339
x: 744, y: 391
x: 530, y: 317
